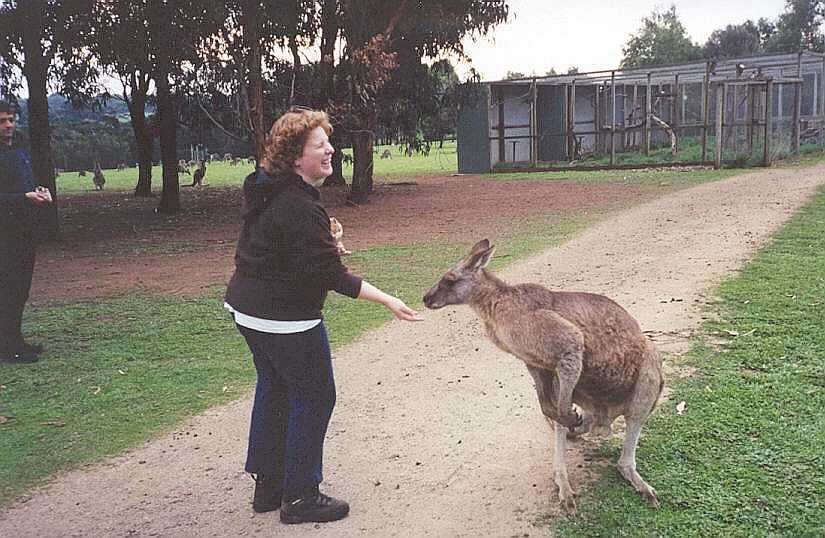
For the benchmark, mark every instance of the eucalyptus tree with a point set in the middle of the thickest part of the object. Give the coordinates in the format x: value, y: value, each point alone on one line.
x: 798, y: 27
x: 121, y: 43
x: 661, y: 39
x: 380, y: 36
x: 32, y: 35
x: 246, y: 47
x: 176, y: 32
x: 734, y: 40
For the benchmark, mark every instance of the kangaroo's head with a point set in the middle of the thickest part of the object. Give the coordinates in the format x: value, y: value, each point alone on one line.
x: 456, y: 286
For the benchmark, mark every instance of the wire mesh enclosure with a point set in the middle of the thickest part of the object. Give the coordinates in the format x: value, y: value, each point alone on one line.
x: 744, y: 111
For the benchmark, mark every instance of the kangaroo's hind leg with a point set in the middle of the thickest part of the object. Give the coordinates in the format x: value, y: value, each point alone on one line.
x: 645, y: 394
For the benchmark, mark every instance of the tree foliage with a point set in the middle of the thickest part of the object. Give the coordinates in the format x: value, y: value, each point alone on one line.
x: 798, y: 28
x: 662, y: 39
x: 734, y: 40
x: 385, y: 42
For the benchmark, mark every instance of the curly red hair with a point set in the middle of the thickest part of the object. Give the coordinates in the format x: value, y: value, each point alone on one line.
x: 287, y: 137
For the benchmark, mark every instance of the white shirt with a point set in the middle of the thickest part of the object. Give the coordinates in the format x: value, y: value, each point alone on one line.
x: 271, y: 325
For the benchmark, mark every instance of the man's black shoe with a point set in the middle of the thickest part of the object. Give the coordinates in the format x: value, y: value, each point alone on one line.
x: 20, y: 358
x: 268, y: 492
x: 34, y: 349
x: 316, y: 507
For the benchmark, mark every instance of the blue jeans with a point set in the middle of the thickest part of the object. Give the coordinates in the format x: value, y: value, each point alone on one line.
x: 294, y: 398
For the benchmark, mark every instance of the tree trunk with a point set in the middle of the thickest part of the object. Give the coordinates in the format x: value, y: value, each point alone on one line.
x: 143, y: 143
x: 255, y: 89
x: 326, y: 69
x: 36, y: 71
x: 362, y: 144
x: 170, y: 196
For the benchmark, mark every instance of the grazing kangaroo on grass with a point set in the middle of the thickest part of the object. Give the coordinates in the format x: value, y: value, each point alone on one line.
x: 579, y: 348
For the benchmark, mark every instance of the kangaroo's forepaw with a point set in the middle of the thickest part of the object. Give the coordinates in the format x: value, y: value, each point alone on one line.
x: 571, y: 421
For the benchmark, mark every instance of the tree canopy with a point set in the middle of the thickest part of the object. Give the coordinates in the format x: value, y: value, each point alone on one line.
x: 735, y: 40
x: 661, y: 39
x: 798, y: 28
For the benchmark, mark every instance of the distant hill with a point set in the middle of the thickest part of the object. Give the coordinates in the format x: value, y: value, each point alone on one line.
x: 62, y: 112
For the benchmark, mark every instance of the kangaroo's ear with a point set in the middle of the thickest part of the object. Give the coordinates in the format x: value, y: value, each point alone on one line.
x: 479, y: 260
x: 484, y: 244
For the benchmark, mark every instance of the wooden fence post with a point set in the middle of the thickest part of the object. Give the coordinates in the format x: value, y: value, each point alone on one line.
x: 502, y: 157
x: 613, y: 118
x: 648, y: 112
x: 534, y: 127
x: 797, y: 118
x: 674, y: 120
x: 597, y: 127
x: 705, y: 111
x: 571, y: 130
x: 720, y: 120
x: 768, y: 122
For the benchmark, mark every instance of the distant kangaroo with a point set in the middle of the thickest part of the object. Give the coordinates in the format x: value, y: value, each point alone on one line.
x: 200, y: 173
x: 579, y: 348
x: 98, y: 179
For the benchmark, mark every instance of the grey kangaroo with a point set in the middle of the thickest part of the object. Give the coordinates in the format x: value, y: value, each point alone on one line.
x: 579, y: 348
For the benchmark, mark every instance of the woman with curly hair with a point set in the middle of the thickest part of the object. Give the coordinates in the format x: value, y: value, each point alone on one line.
x: 285, y: 263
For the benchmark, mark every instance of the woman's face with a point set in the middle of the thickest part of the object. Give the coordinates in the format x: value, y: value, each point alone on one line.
x: 315, y: 163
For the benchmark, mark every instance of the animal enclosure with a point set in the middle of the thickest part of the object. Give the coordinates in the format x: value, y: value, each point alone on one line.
x: 727, y: 112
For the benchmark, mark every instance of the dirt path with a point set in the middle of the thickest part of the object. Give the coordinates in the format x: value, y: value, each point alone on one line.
x: 436, y: 433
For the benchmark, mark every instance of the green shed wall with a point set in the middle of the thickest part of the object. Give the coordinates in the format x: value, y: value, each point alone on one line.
x: 473, y: 135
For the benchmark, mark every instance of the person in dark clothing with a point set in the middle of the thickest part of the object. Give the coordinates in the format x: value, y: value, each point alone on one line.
x: 285, y: 263
x: 18, y: 198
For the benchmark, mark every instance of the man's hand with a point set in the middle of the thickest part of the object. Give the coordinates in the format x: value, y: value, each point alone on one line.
x: 40, y: 195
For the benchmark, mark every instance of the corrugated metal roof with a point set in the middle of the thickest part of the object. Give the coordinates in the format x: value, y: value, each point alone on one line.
x: 779, y: 67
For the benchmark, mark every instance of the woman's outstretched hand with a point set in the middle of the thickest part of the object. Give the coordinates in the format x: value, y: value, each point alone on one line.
x: 402, y: 311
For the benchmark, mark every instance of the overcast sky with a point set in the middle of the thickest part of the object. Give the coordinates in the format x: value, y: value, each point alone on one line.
x: 590, y: 34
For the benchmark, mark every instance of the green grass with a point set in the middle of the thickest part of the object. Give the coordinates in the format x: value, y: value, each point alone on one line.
x: 122, y: 370
x: 747, y: 458
x: 682, y: 178
x: 221, y: 174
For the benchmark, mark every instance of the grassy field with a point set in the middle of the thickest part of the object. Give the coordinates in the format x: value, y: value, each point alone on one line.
x: 130, y: 368
x: 399, y: 167
x: 746, y: 459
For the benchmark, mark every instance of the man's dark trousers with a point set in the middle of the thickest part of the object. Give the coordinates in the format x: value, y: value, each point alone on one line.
x: 16, y: 267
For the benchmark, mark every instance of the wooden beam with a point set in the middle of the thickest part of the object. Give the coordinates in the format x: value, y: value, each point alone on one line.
x: 648, y: 112
x: 635, y: 105
x: 613, y: 118
x: 797, y: 108
x: 674, y: 120
x: 571, y: 131
x: 797, y: 113
x: 720, y: 120
x: 766, y: 159
x: 502, y: 157
x: 705, y: 111
x: 534, y: 127
x: 597, y: 119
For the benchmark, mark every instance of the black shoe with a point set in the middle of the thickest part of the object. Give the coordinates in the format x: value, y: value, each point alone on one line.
x: 315, y: 507
x: 34, y: 349
x: 20, y: 358
x: 268, y: 492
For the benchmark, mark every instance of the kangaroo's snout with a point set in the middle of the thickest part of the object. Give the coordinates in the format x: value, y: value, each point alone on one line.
x: 430, y: 302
